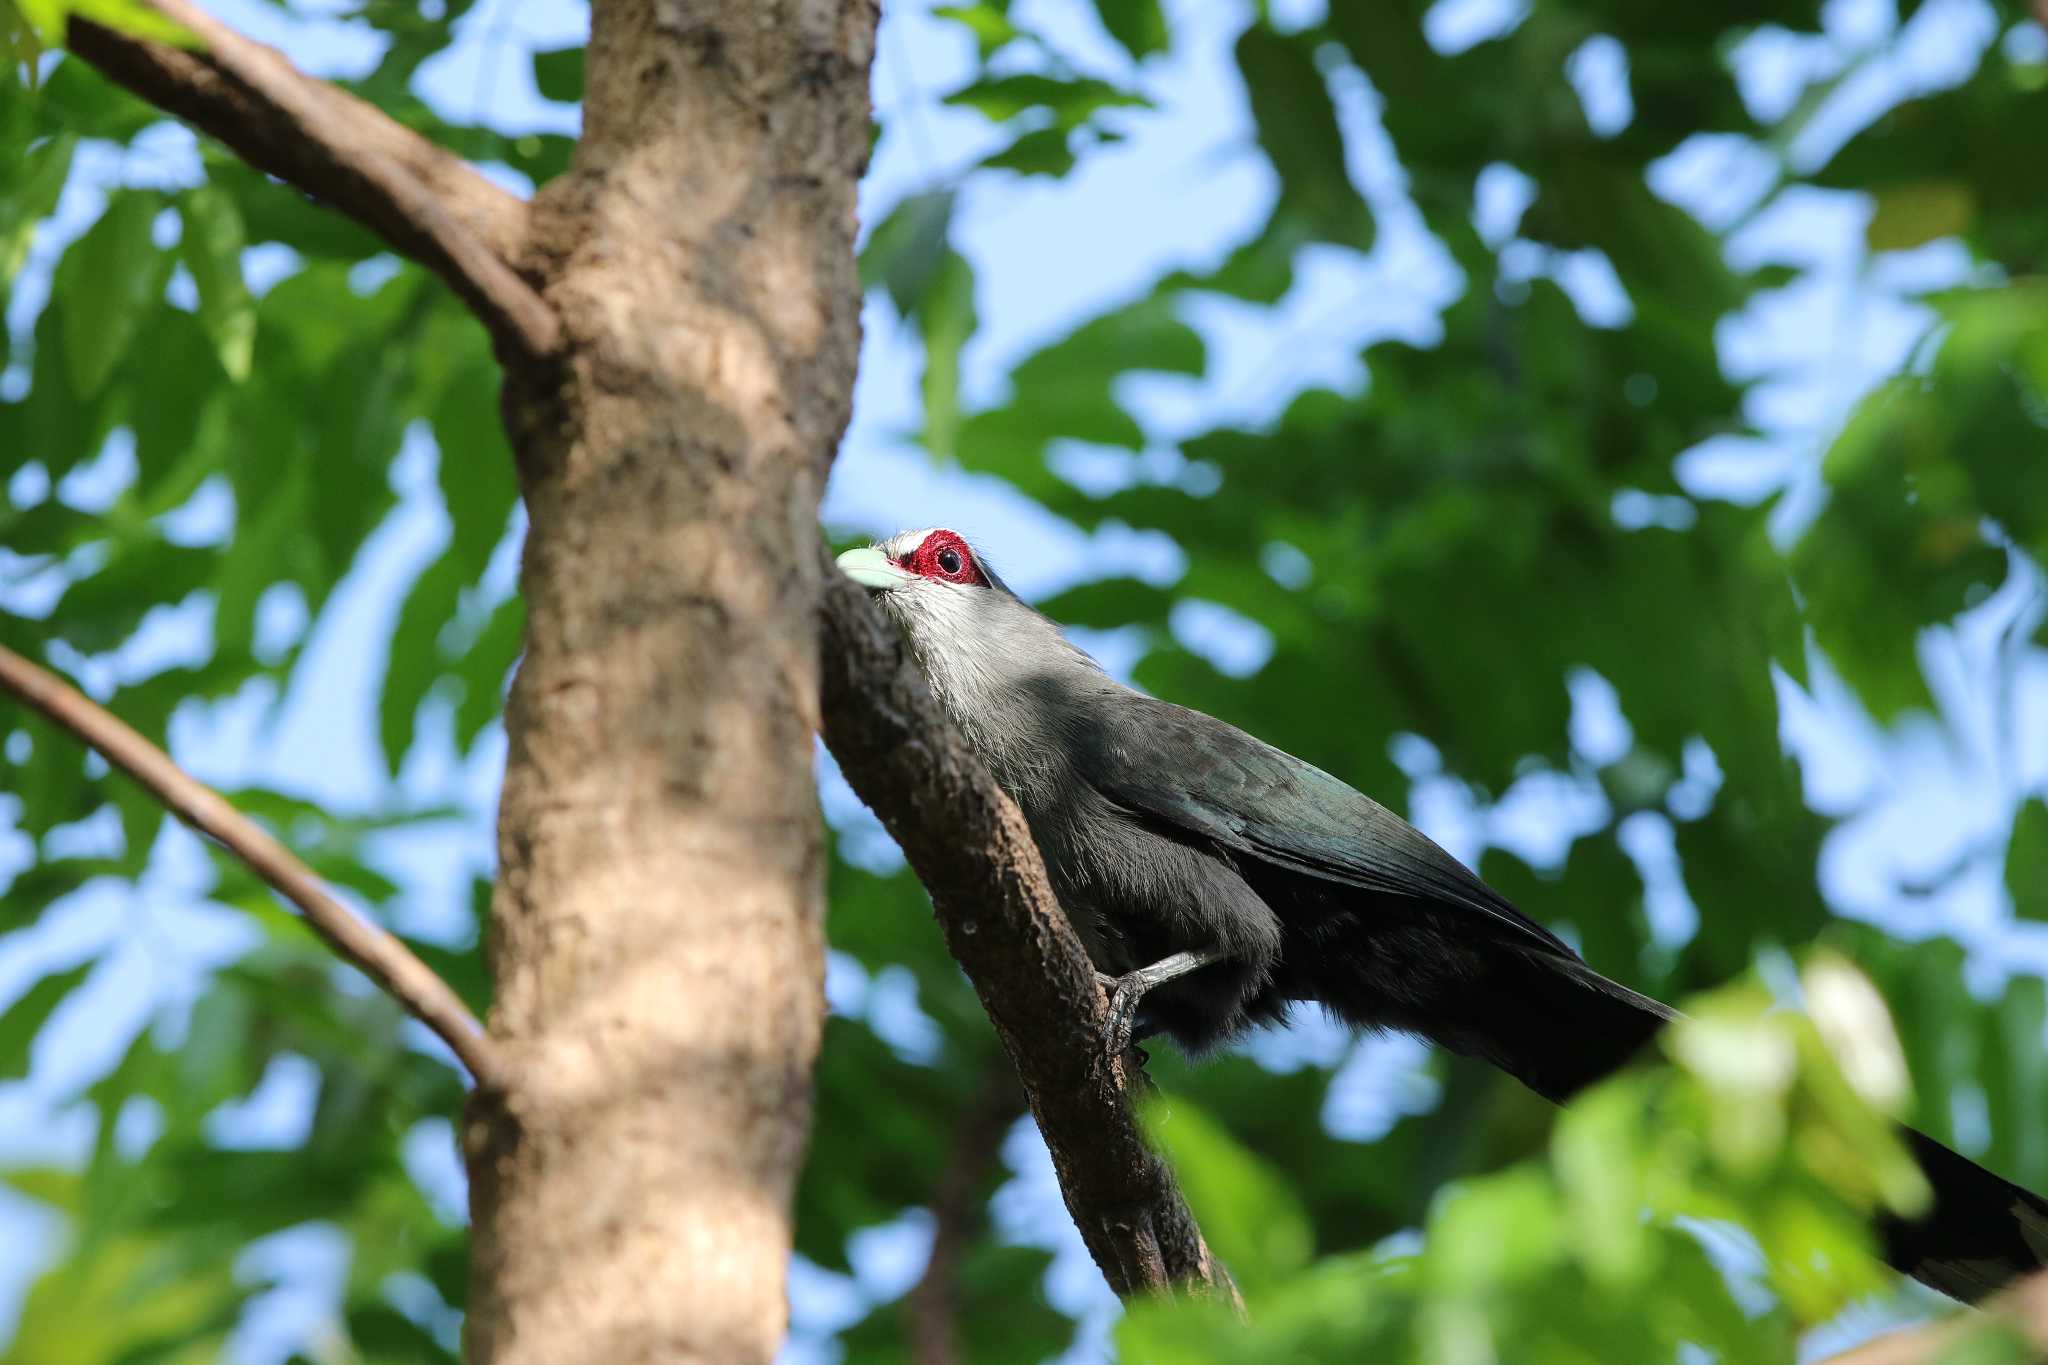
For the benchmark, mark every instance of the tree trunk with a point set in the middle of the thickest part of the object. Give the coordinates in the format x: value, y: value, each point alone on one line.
x: 656, y: 930
x: 674, y: 400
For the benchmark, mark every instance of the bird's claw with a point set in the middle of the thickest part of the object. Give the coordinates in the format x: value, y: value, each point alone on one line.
x: 1124, y: 995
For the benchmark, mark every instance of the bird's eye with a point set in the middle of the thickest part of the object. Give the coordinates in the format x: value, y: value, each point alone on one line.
x: 949, y: 560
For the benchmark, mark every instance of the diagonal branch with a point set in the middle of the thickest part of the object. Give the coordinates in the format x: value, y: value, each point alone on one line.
x: 427, y: 203
x: 378, y: 954
x: 2023, y: 1307
x: 969, y: 845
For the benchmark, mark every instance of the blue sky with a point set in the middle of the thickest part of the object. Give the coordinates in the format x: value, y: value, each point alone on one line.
x: 1183, y: 189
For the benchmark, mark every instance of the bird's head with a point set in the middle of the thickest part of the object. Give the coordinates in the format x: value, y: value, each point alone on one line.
x: 993, y: 661
x: 933, y: 584
x: 963, y: 623
x: 919, y: 566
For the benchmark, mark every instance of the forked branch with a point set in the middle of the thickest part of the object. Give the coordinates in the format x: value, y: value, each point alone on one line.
x: 426, y: 202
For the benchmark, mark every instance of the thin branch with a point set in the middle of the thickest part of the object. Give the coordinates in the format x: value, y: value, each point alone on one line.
x: 969, y: 845
x: 2024, y: 1306
x: 427, y: 203
x: 956, y: 1206
x: 379, y: 955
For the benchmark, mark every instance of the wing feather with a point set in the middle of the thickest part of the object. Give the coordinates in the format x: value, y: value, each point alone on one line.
x: 1214, y: 780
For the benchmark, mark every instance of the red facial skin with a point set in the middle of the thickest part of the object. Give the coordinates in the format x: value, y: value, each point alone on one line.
x: 940, y: 549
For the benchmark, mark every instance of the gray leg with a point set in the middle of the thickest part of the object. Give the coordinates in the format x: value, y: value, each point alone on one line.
x: 1127, y: 990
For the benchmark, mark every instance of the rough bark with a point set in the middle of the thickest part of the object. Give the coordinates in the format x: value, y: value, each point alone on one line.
x: 657, y: 938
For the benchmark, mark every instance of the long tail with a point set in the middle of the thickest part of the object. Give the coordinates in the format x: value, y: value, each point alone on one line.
x: 1558, y: 1031
x: 1982, y: 1232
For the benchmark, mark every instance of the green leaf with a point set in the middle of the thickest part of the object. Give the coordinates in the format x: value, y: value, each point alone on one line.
x: 44, y: 18
x: 1067, y: 390
x: 28, y: 193
x: 1005, y: 1315
x: 483, y: 667
x: 260, y: 554
x: 106, y: 284
x: 1990, y: 388
x: 1491, y: 1232
x: 1913, y: 215
x: 478, y: 484
x: 353, y: 454
x: 56, y: 424
x: 1956, y: 159
x: 383, y: 1334
x: 272, y: 212
x: 946, y: 320
x: 1189, y: 1330
x: 1069, y: 102
x: 24, y: 1019
x: 100, y: 610
x: 2026, y: 860
x: 448, y: 1269
x: 904, y: 253
x: 1042, y: 151
x: 1899, y: 547
x: 461, y: 968
x: 170, y: 381
x: 79, y: 100
x: 37, y: 887
x: 51, y: 785
x: 989, y: 23
x: 1139, y: 26
x: 137, y: 1291
x: 1107, y: 603
x: 558, y: 73
x: 211, y: 248
x: 1297, y: 123
x: 2014, y: 1074
x: 132, y: 17
x: 1245, y: 1210
x: 19, y: 46
x: 1600, y: 1171
x: 415, y: 662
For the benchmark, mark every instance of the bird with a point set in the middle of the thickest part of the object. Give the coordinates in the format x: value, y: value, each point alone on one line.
x: 1214, y: 880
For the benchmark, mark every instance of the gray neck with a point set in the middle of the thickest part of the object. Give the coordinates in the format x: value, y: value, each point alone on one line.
x: 1009, y: 679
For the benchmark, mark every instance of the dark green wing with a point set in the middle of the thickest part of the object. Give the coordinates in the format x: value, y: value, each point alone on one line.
x: 1212, y: 779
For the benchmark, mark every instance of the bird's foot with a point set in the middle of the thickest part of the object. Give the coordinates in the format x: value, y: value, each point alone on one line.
x: 1124, y: 994
x: 1127, y: 990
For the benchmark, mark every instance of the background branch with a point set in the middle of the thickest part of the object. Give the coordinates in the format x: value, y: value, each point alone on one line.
x: 969, y: 845
x: 378, y: 954
x: 429, y: 204
x: 2025, y: 1305
x: 957, y: 1208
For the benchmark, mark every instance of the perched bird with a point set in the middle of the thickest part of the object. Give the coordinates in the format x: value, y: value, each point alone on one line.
x: 1214, y: 880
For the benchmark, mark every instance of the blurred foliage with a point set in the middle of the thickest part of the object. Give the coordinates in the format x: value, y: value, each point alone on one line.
x: 28, y: 28
x: 1750, y: 1141
x: 206, y: 383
